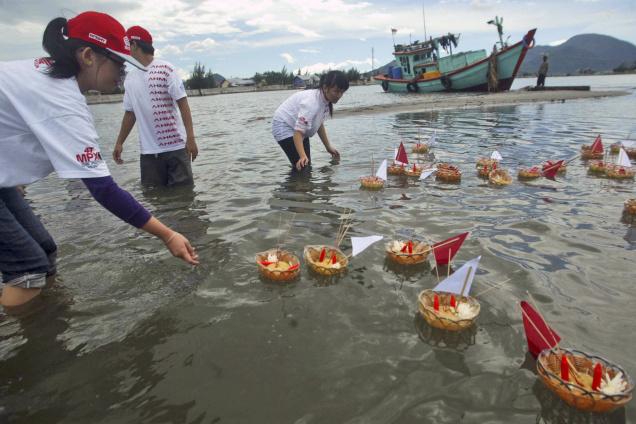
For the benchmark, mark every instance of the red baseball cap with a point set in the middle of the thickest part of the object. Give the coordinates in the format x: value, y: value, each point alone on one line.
x: 104, y: 31
x: 138, y: 33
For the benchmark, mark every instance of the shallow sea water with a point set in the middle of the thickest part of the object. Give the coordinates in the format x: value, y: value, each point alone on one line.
x: 132, y: 335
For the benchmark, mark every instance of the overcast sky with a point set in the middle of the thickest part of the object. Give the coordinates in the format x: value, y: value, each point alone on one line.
x: 237, y: 38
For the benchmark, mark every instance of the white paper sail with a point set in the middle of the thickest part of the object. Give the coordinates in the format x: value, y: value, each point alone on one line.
x: 359, y: 244
x: 457, y: 281
x: 623, y: 159
x: 382, y: 170
x: 432, y: 139
x: 496, y: 155
x: 427, y: 173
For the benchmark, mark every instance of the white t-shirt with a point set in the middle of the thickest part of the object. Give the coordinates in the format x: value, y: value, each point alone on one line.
x: 304, y: 111
x: 45, y: 126
x: 153, y: 96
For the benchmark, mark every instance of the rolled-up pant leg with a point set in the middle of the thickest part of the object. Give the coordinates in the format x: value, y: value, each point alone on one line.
x: 27, y: 250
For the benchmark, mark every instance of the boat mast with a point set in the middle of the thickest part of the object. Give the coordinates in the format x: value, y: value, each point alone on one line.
x: 424, y: 21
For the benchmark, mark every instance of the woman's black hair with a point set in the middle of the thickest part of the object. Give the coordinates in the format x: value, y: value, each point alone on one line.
x: 145, y: 47
x: 334, y: 79
x: 62, y: 50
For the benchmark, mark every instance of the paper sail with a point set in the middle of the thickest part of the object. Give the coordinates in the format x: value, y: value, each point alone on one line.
x: 445, y: 251
x: 496, y: 155
x: 461, y: 280
x: 597, y: 146
x: 401, y: 154
x: 427, y: 173
x: 359, y: 244
x: 382, y: 170
x: 623, y: 159
x: 432, y: 140
x: 550, y: 171
x: 537, y: 340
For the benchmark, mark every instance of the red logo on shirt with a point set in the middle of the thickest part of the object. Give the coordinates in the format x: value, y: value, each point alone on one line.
x: 90, y: 158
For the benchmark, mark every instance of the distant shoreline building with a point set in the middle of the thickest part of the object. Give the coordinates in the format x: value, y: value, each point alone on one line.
x: 306, y: 81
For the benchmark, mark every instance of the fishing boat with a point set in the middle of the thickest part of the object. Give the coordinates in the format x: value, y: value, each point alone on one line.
x: 422, y: 69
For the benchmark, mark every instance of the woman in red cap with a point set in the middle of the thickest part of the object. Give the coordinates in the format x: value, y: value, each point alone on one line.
x: 46, y: 126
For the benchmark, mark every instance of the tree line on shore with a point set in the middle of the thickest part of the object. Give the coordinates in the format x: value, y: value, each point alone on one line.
x: 201, y: 79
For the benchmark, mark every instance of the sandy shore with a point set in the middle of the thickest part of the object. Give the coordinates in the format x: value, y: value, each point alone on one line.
x: 423, y: 103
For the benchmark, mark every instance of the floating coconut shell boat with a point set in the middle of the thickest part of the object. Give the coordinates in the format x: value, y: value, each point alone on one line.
x: 410, y: 252
x: 597, y: 167
x: 395, y: 169
x: 278, y: 265
x: 499, y: 177
x: 588, y: 153
x: 548, y: 164
x: 420, y: 148
x: 413, y: 171
x: 448, y: 173
x: 630, y: 207
x: 591, y: 383
x: 529, y: 173
x: 618, y: 172
x: 325, y: 260
x: 481, y: 162
x: 442, y: 314
x: 486, y: 169
x: 372, y: 182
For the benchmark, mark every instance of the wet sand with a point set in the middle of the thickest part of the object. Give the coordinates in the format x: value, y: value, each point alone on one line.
x: 423, y: 103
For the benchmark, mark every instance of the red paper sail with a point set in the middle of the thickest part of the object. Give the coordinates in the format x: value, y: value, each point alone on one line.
x: 597, y: 146
x: 550, y: 171
x: 537, y: 341
x: 451, y: 245
x: 401, y: 154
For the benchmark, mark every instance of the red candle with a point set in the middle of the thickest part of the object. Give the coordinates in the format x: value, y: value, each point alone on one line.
x: 565, y: 371
x: 410, y: 244
x: 293, y: 267
x: 436, y: 303
x: 596, y: 381
x: 404, y: 248
x: 334, y: 259
x: 453, y: 302
x: 265, y: 263
x: 323, y: 252
x: 494, y: 165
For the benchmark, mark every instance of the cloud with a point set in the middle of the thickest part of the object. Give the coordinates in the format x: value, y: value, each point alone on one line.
x: 347, y: 64
x: 200, y: 45
x: 309, y: 50
x: 169, y: 50
x: 557, y: 42
x: 289, y: 58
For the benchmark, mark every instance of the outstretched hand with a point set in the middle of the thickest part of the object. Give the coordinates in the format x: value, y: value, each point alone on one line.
x: 335, y: 154
x: 181, y: 248
x: 302, y: 162
x: 117, y: 153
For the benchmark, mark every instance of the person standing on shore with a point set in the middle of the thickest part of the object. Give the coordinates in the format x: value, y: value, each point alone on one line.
x: 166, y: 140
x: 46, y: 126
x: 543, y: 71
x: 303, y: 114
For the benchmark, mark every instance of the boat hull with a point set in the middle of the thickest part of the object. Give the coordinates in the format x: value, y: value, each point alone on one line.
x: 473, y: 77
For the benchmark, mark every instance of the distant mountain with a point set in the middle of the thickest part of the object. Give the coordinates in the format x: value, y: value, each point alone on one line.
x: 581, y: 53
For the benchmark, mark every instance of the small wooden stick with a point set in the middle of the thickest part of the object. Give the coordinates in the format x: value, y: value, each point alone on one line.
x: 470, y: 269
x: 496, y: 286
x: 449, y: 264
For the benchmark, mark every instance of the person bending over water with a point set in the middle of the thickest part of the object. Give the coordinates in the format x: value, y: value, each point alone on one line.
x: 303, y: 114
x: 46, y: 126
